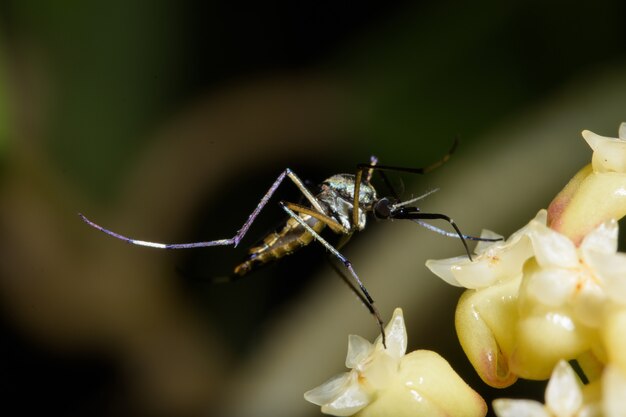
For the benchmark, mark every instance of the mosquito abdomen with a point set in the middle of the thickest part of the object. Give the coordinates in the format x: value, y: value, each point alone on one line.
x: 278, y: 244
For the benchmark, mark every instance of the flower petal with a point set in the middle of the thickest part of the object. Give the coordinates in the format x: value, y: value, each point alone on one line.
x: 590, y: 304
x: 551, y: 286
x: 349, y: 402
x: 552, y: 248
x: 614, y: 392
x: 611, y: 269
x: 622, y: 131
x: 482, y: 245
x: 359, y: 349
x: 443, y: 268
x: 497, y: 262
x: 609, y: 154
x: 601, y: 239
x: 329, y: 390
x: 505, y: 407
x: 395, y: 332
x: 563, y: 394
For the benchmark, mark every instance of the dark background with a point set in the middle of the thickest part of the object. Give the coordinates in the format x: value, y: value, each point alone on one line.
x: 169, y: 120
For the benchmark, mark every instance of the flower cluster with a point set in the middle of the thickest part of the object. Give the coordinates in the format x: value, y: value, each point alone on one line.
x: 385, y: 381
x: 553, y: 292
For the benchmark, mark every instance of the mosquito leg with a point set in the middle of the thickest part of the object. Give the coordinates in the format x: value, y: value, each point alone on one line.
x: 351, y: 285
x: 346, y: 263
x: 417, y: 215
x: 422, y: 170
x: 373, y: 166
x: 220, y: 242
x: 357, y: 187
x: 344, y: 240
x: 450, y: 234
x: 330, y: 222
x: 370, y: 171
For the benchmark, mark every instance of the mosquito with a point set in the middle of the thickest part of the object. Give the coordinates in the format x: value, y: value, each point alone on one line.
x: 342, y: 205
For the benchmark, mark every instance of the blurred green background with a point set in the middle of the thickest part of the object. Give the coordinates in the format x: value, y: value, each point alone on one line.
x: 167, y: 121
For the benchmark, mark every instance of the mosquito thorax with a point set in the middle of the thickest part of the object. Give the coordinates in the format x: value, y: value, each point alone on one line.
x: 337, y: 193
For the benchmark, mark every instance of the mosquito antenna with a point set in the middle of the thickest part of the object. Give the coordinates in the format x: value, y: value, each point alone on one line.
x: 413, y: 200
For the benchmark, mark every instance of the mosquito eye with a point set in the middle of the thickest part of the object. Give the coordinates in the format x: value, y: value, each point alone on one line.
x: 382, y: 209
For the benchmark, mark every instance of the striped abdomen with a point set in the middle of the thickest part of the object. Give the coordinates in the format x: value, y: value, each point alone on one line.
x: 278, y: 244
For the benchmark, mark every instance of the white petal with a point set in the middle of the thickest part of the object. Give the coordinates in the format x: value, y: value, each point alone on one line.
x: 443, y: 268
x: 349, y: 402
x: 505, y: 407
x: 614, y: 392
x: 589, y: 304
x: 609, y: 154
x: 481, y: 246
x: 480, y: 273
x: 622, y: 131
x: 330, y: 389
x: 540, y: 220
x: 553, y: 249
x: 563, y: 394
x: 496, y: 262
x: 552, y: 286
x: 395, y: 331
x: 611, y: 269
x: 541, y: 217
x: 601, y: 239
x: 359, y: 349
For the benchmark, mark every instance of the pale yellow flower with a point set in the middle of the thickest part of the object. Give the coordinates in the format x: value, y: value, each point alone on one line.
x: 538, y: 298
x: 609, y: 154
x: 487, y: 316
x: 597, y: 193
x: 574, y: 280
x: 385, y: 381
x: 564, y: 398
x: 567, y: 296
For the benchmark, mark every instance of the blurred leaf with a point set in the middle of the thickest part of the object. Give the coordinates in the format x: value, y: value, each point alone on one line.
x: 434, y: 71
x: 110, y: 67
x: 4, y: 105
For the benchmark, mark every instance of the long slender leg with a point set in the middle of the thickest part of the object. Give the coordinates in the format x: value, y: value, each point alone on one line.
x: 415, y: 214
x: 352, y: 286
x: 455, y: 235
x: 373, y: 166
x: 370, y: 172
x: 370, y: 302
x: 221, y: 242
x: 422, y: 170
x: 373, y: 162
x: 342, y: 242
x: 330, y: 222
